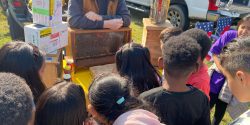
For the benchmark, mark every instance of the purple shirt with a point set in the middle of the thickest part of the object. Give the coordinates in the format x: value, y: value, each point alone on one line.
x: 218, y: 79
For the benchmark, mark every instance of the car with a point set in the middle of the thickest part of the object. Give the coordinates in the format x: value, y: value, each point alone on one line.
x: 182, y: 12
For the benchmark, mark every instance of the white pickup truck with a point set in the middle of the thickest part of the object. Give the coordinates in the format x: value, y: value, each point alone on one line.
x: 181, y: 12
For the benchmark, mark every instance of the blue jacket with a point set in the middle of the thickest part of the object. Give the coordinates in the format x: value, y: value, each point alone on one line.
x: 77, y: 18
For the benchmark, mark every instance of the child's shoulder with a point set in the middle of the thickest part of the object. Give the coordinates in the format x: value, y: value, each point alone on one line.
x: 151, y: 93
x: 198, y: 93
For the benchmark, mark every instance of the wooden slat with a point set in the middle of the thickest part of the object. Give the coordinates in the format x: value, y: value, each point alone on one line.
x: 73, y: 50
x: 151, y: 40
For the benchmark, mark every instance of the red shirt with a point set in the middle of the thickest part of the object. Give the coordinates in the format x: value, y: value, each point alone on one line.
x: 201, y: 80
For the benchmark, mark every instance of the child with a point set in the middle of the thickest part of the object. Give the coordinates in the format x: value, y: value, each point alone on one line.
x: 200, y: 79
x: 177, y: 103
x: 164, y: 36
x: 26, y: 61
x: 133, y: 62
x: 218, y: 79
x: 63, y: 104
x: 235, y: 66
x: 16, y: 101
x: 112, y: 104
x: 169, y: 32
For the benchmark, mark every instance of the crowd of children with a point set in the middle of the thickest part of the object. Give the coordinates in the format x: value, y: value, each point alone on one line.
x: 136, y: 94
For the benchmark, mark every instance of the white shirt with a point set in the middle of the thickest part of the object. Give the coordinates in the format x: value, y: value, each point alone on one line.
x: 244, y: 119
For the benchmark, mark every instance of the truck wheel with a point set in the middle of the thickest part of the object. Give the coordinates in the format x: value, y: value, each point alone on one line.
x: 16, y: 31
x: 178, y: 16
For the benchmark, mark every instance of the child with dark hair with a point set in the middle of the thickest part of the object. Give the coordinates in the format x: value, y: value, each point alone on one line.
x: 62, y: 104
x: 218, y: 79
x: 112, y: 104
x: 177, y: 103
x: 234, y: 60
x: 169, y: 32
x: 164, y: 37
x: 16, y: 101
x: 133, y: 62
x: 200, y: 79
x: 26, y: 61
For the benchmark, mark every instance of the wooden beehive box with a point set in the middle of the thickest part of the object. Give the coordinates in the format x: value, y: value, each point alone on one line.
x: 102, y: 69
x: 95, y: 47
x: 151, y: 40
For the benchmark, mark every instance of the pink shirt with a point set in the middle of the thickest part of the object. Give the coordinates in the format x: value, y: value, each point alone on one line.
x: 201, y: 80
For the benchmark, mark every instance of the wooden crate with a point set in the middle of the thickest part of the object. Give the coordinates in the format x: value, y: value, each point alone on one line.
x: 95, y: 47
x: 53, y: 70
x: 151, y: 39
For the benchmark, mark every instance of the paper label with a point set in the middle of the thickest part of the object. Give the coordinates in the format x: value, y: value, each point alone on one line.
x: 45, y: 32
x: 40, y: 11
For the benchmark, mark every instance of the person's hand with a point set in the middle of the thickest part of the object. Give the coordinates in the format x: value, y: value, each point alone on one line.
x: 93, y: 16
x: 113, y: 24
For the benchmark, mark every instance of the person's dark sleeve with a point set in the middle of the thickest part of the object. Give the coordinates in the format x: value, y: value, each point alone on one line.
x: 77, y: 18
x: 121, y: 12
x: 205, y: 118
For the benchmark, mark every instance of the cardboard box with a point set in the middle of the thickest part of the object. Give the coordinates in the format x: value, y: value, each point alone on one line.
x: 50, y: 74
x: 48, y: 39
x: 53, y: 57
x: 47, y: 12
x: 53, y: 69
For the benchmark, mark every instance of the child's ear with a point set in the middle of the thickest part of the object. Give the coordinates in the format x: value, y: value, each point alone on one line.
x: 242, y: 77
x: 160, y: 63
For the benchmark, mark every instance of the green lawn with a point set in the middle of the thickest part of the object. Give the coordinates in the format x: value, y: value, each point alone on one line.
x: 4, y: 29
x: 136, y: 26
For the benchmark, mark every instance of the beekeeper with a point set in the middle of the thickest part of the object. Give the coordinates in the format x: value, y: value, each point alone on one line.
x: 98, y: 14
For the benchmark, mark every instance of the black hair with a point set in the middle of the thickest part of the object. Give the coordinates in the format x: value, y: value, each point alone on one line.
x: 169, y: 32
x: 25, y: 61
x: 133, y: 62
x: 62, y: 104
x: 16, y: 100
x: 106, y: 90
x: 203, y: 40
x: 180, y: 55
x: 236, y: 55
x: 244, y: 19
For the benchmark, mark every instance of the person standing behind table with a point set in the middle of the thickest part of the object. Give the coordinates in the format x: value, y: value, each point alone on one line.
x: 98, y: 14
x: 218, y: 79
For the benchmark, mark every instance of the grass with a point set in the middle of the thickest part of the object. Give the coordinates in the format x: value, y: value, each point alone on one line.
x: 137, y: 25
x: 4, y: 29
x: 137, y: 28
